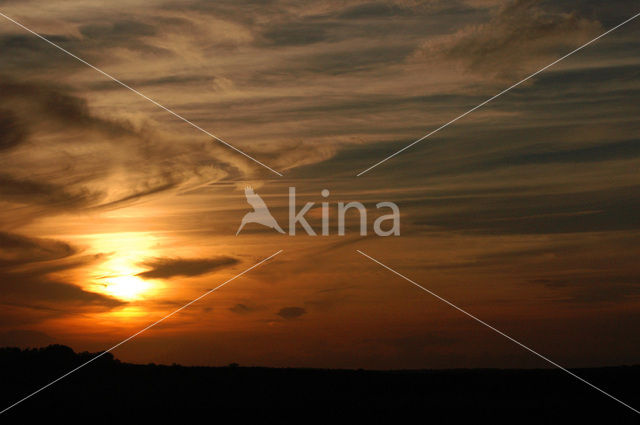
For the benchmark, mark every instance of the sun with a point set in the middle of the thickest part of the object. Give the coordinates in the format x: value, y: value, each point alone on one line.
x: 118, y: 275
x: 127, y: 287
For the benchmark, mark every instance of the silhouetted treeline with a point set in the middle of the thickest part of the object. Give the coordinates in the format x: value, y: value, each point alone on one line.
x: 108, y: 391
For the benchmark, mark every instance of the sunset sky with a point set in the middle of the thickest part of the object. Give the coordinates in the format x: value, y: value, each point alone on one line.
x: 113, y: 212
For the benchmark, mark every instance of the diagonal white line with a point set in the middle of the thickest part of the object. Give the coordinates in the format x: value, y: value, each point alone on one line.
x: 498, y: 95
x: 175, y: 114
x: 499, y: 332
x: 139, y: 332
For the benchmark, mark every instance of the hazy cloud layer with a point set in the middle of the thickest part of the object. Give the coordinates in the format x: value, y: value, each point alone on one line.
x: 525, y: 209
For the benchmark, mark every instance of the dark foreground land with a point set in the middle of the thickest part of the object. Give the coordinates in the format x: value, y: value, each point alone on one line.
x: 108, y: 391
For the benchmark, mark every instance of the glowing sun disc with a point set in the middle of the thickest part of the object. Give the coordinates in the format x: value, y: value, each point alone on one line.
x: 126, y: 287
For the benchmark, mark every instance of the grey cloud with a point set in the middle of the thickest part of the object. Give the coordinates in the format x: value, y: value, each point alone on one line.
x: 29, y: 101
x: 55, y: 197
x: 18, y: 249
x: 599, y: 287
x: 24, y: 54
x: 168, y: 81
x: 568, y: 212
x: 28, y: 53
x: 127, y: 33
x: 170, y: 181
x: 624, y: 149
x: 12, y: 130
x: 351, y: 61
x: 291, y: 312
x: 119, y: 29
x: 240, y: 309
x: 337, y: 23
x: 164, y: 268
x: 32, y: 289
x: 374, y: 10
x: 295, y: 34
x: 548, y: 152
x: 243, y: 308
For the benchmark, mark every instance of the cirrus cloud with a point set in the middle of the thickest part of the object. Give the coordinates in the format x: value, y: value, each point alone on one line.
x: 520, y: 35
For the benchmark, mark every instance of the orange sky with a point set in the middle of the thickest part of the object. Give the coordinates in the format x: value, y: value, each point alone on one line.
x: 114, y: 213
